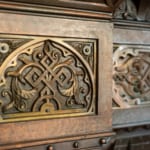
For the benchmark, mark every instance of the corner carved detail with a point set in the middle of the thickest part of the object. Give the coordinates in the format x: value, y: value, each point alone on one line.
x: 131, y: 76
x: 48, y: 77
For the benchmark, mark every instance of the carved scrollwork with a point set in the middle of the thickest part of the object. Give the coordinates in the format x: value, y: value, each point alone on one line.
x: 131, y: 76
x: 47, y: 76
x: 9, y: 45
x: 86, y: 50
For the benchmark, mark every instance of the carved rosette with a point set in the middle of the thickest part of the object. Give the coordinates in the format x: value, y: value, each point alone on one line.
x: 49, y: 76
x: 131, y: 76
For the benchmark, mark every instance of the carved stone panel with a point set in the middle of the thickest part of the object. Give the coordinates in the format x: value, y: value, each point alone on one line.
x: 46, y: 77
x: 131, y: 76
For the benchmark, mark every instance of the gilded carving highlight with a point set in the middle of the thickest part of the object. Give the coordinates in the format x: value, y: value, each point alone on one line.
x: 47, y: 76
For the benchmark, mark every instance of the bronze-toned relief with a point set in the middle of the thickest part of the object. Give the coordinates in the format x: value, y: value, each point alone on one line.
x: 131, y: 76
x: 49, y: 78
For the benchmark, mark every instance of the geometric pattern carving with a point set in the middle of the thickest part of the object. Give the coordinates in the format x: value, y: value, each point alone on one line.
x: 47, y: 78
x: 131, y: 76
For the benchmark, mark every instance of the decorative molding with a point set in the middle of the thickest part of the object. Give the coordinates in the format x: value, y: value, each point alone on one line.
x: 48, y: 76
x: 46, y: 142
x: 131, y: 76
x: 73, y: 8
x: 101, y: 5
x: 90, y: 9
x: 131, y: 25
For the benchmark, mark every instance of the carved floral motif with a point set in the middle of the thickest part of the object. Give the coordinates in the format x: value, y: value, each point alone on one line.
x: 131, y: 76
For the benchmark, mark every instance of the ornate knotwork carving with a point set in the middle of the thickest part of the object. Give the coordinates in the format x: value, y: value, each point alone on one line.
x: 47, y: 76
x: 131, y: 76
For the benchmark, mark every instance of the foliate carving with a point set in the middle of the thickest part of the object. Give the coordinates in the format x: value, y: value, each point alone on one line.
x: 131, y: 76
x: 133, y: 10
x: 126, y: 10
x: 47, y: 76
